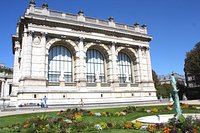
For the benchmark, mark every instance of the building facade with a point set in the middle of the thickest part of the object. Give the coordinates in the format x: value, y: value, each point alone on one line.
x: 70, y: 56
x: 166, y: 79
x: 5, y: 88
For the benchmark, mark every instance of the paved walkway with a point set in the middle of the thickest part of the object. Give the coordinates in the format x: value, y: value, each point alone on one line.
x: 26, y: 110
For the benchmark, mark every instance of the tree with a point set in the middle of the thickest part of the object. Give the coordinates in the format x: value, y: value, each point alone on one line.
x: 164, y: 90
x: 155, y: 79
x: 192, y: 63
x: 6, y: 70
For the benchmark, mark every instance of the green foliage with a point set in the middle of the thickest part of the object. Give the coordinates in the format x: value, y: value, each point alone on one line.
x: 184, y: 125
x: 6, y: 70
x: 103, y: 125
x: 181, y: 118
x: 164, y: 90
x: 192, y: 63
x: 155, y: 79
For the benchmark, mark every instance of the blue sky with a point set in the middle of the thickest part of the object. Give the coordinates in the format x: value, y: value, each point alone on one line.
x: 174, y: 24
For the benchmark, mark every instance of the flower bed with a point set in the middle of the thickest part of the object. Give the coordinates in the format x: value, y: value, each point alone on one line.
x: 73, y: 120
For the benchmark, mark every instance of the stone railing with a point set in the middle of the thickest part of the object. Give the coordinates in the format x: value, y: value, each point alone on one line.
x: 91, y: 84
x: 70, y: 84
x: 89, y: 20
x: 134, y: 85
x: 105, y: 84
x: 123, y: 85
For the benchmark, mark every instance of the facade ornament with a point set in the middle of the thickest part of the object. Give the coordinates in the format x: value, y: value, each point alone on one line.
x: 136, y: 24
x: 29, y: 33
x: 37, y: 40
x: 32, y: 3
x: 45, y: 6
x: 62, y: 77
x: 44, y: 34
x: 81, y: 13
x: 111, y: 19
x: 144, y: 26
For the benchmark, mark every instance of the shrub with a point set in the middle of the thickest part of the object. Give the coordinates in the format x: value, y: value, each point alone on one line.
x: 110, y: 125
x: 137, y: 125
x: 154, y: 110
x: 184, y: 106
x: 104, y: 114
x: 128, y: 125
x: 92, y: 113
x: 151, y: 128
x: 117, y: 114
x: 103, y: 125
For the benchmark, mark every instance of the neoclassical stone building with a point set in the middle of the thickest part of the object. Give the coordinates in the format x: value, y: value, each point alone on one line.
x: 70, y: 56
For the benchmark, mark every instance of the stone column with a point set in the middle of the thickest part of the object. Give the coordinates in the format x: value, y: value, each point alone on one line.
x: 139, y: 64
x: 80, y: 65
x: 26, y: 54
x: 16, y: 74
x: 113, y: 67
x: 43, y: 57
x: 149, y: 69
x: 6, y: 88
x: 2, y: 88
x: 17, y: 58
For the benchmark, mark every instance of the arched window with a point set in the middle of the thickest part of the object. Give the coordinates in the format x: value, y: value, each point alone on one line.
x: 60, y: 60
x: 95, y: 66
x: 124, y: 64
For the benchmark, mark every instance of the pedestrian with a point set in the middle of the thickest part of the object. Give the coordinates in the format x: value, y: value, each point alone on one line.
x: 42, y: 103
x: 45, y: 101
x: 160, y: 98
x: 81, y: 102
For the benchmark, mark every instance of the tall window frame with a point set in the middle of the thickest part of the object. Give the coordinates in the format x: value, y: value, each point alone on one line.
x: 124, y: 67
x: 59, y: 60
x: 95, y: 66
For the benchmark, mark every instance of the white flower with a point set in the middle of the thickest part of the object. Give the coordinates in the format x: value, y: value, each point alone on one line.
x: 97, y: 114
x: 98, y: 126
x: 68, y: 121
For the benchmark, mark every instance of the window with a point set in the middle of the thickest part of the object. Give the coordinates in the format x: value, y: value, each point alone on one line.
x: 60, y: 59
x: 124, y: 64
x: 95, y: 66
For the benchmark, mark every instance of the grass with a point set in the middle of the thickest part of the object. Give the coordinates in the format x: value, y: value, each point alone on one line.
x: 14, y: 119
x: 10, y: 120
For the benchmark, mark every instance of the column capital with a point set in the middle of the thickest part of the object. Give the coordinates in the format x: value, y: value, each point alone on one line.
x: 44, y: 34
x: 81, y: 38
x: 114, y: 42
x: 30, y: 33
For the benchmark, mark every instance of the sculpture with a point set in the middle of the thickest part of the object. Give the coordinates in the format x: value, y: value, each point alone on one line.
x: 97, y: 76
x: 175, y: 95
x: 61, y: 77
x: 127, y: 77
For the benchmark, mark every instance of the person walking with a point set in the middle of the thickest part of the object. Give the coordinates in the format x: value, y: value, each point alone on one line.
x: 45, y: 101
x: 81, y: 102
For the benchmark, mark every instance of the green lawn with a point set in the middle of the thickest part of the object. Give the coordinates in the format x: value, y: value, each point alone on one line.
x: 7, y: 121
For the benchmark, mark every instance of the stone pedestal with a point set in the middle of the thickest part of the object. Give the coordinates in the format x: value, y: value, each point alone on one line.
x: 98, y: 83
x: 81, y: 83
x: 128, y: 84
x: 62, y: 83
x: 62, y: 79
